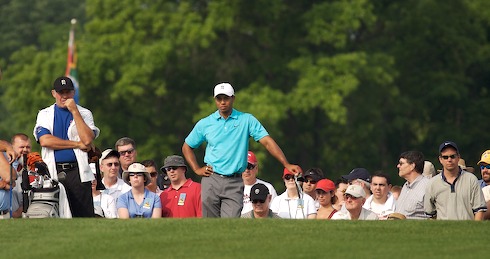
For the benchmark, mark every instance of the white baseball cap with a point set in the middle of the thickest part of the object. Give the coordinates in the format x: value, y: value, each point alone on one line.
x: 224, y: 88
x: 356, y: 191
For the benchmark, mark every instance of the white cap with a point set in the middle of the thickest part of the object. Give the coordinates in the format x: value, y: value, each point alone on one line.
x: 108, y: 152
x: 356, y: 191
x: 224, y: 88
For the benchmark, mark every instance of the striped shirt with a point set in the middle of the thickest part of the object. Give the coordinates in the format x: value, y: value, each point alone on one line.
x: 411, y: 200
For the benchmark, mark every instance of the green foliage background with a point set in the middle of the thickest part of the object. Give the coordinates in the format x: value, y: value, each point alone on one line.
x: 339, y: 84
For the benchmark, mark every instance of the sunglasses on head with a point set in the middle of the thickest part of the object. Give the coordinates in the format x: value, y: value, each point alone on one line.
x: 289, y: 177
x: 136, y: 174
x: 112, y: 164
x: 168, y: 169
x: 250, y: 166
x: 153, y: 174
x: 453, y: 156
x: 259, y: 201
x: 484, y: 166
x: 129, y: 152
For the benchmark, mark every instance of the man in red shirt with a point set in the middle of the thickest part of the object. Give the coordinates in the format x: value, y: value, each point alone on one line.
x: 183, y: 198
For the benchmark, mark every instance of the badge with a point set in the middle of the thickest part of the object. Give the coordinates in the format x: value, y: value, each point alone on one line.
x: 181, y: 199
x: 146, y: 205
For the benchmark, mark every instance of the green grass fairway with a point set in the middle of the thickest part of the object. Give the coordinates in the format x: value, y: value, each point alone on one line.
x: 242, y: 238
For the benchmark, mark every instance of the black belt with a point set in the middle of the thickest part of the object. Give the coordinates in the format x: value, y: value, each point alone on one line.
x: 67, y: 165
x: 4, y: 212
x: 230, y: 176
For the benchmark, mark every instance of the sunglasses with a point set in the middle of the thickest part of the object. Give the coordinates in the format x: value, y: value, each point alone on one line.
x: 289, y: 177
x: 250, y: 166
x: 484, y: 166
x: 310, y: 181
x: 259, y: 201
x: 153, y: 174
x: 129, y: 152
x: 136, y: 174
x: 168, y: 169
x: 113, y: 164
x: 453, y: 156
x: 348, y: 196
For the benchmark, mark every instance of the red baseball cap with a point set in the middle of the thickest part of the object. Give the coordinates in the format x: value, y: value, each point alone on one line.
x: 251, y: 158
x: 326, y: 185
x: 286, y: 172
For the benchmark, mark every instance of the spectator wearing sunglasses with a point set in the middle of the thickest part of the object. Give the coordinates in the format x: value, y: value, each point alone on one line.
x: 127, y: 151
x: 484, y: 165
x: 454, y: 194
x: 311, y: 178
x: 341, y: 185
x: 260, y: 199
x: 151, y: 168
x: 411, y: 167
x: 139, y: 202
x: 354, y: 198
x: 291, y: 204
x: 183, y: 197
x: 109, y: 168
x: 249, y: 177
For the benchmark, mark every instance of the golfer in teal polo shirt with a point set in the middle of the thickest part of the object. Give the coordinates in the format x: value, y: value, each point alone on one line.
x: 227, y: 132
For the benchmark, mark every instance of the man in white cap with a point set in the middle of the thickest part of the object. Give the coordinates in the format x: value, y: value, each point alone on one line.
x: 249, y: 177
x: 354, y: 198
x: 227, y: 133
x: 109, y: 167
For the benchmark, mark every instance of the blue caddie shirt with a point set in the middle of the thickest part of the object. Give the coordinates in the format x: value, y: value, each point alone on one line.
x: 227, y: 140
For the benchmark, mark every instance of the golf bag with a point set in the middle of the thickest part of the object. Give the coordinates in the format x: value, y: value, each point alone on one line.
x: 42, y: 193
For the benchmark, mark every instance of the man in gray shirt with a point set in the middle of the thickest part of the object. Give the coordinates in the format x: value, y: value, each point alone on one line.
x: 454, y: 194
x: 411, y: 200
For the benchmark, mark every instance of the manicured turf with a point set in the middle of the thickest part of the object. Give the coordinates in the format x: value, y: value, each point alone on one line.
x: 242, y: 238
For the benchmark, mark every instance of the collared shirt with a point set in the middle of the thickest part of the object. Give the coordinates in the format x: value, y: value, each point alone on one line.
x: 150, y: 202
x: 117, y: 189
x: 411, y: 200
x: 365, y: 215
x: 247, y: 203
x: 184, y: 202
x: 457, y: 201
x: 384, y: 209
x: 482, y: 183
x: 250, y: 215
x: 227, y: 140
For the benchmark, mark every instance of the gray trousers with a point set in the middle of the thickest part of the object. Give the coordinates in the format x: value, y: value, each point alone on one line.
x: 222, y: 197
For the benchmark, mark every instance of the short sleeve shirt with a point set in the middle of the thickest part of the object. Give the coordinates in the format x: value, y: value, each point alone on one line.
x: 227, y: 140
x: 143, y: 210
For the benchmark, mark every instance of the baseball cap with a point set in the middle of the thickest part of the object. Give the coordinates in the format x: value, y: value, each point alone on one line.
x: 485, y: 158
x: 224, y: 88
x: 63, y: 83
x: 356, y: 191
x: 136, y: 168
x: 358, y: 173
x: 286, y: 172
x: 251, y: 158
x: 448, y: 144
x: 315, y: 173
x: 259, y: 192
x: 108, y: 153
x: 172, y: 160
x: 325, y: 185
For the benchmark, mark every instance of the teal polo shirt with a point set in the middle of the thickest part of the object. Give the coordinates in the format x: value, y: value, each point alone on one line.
x: 227, y: 140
